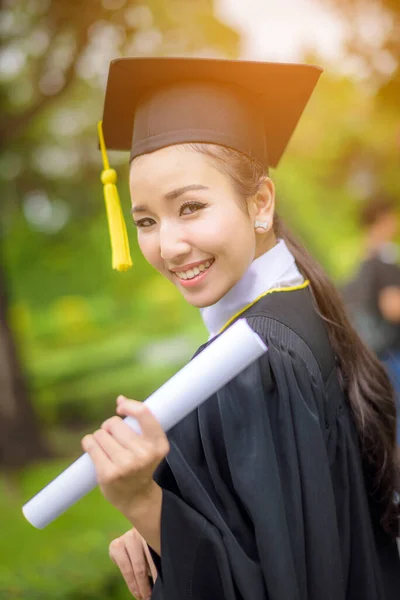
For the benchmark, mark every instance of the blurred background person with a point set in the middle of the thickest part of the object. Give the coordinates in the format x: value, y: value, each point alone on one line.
x: 373, y: 295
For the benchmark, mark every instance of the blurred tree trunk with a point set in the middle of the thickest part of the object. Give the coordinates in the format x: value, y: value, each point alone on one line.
x: 69, y: 39
x: 20, y: 441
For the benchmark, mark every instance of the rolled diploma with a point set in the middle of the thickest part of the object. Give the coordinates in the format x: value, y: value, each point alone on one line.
x: 229, y: 354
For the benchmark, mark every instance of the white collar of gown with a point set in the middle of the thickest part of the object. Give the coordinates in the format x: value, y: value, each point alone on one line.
x: 273, y: 269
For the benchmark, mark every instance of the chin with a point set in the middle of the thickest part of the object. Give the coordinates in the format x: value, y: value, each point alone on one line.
x: 204, y: 299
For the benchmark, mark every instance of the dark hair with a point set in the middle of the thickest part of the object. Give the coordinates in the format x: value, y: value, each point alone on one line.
x: 375, y: 208
x: 362, y: 376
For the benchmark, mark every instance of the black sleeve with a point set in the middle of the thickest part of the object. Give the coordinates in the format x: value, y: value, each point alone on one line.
x: 194, y: 562
x: 271, y: 502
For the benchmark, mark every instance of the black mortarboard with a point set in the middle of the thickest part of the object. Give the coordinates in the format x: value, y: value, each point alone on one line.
x: 151, y: 103
x: 252, y: 107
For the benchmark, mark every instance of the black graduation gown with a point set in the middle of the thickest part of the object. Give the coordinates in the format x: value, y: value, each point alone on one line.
x: 264, y: 494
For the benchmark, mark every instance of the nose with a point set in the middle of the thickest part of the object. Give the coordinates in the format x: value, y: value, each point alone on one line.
x: 172, y: 243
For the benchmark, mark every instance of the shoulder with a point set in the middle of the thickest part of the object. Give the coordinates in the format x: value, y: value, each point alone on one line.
x: 388, y: 270
x: 385, y: 260
x: 288, y: 323
x: 293, y: 378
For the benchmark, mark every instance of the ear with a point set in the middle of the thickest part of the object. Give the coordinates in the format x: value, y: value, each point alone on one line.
x: 262, y: 205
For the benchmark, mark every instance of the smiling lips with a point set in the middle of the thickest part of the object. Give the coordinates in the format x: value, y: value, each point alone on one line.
x: 195, y: 274
x: 194, y: 271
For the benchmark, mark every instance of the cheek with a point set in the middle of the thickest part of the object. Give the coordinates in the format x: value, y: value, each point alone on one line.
x: 227, y: 227
x: 235, y: 238
x: 149, y: 248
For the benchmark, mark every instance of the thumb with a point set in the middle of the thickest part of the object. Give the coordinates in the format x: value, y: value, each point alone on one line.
x: 128, y: 404
x: 121, y: 398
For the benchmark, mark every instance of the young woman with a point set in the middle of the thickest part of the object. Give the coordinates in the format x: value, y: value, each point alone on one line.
x: 282, y: 485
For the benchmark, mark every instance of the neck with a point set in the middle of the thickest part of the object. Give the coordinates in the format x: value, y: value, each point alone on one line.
x: 272, y: 269
x: 374, y: 241
x: 267, y: 244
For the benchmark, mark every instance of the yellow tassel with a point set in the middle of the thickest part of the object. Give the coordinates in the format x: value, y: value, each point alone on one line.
x: 121, y: 258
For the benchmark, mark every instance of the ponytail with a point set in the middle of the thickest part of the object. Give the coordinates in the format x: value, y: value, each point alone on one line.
x: 362, y: 376
x: 364, y: 380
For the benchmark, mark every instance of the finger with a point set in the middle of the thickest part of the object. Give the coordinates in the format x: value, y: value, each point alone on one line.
x: 122, y: 398
x: 120, y: 556
x: 150, y: 561
x: 151, y: 429
x: 122, y: 401
x: 148, y: 423
x: 139, y: 564
x: 117, y: 454
x: 100, y: 459
x: 121, y: 432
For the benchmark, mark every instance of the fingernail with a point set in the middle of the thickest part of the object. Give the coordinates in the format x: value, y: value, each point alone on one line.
x: 121, y: 398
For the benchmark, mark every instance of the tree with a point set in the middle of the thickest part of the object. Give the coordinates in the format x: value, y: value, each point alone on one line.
x: 56, y: 54
x: 53, y: 45
x: 20, y: 439
x: 372, y: 30
x: 368, y: 163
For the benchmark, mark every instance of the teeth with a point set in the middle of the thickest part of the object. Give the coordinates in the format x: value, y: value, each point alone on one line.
x: 190, y: 273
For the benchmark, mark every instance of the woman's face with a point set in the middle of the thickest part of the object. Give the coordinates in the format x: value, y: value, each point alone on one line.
x: 191, y: 225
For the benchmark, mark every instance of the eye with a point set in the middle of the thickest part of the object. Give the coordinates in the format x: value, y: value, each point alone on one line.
x: 192, y: 206
x: 143, y: 223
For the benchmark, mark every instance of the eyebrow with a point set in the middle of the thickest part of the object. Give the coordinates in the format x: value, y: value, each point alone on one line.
x: 172, y: 195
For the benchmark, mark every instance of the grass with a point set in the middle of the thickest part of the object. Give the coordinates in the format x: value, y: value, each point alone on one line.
x: 68, y: 559
x: 74, y: 387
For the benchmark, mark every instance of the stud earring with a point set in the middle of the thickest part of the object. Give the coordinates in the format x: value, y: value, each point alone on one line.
x: 262, y: 224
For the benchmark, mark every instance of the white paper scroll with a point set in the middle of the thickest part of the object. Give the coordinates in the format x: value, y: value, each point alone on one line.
x: 229, y: 354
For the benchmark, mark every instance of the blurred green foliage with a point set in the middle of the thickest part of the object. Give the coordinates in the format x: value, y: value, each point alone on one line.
x: 69, y: 559
x: 85, y: 333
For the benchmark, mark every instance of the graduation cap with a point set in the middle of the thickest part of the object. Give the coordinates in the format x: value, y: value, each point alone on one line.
x: 151, y: 103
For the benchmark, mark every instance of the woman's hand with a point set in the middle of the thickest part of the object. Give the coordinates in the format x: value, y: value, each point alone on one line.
x: 131, y: 554
x: 124, y: 460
